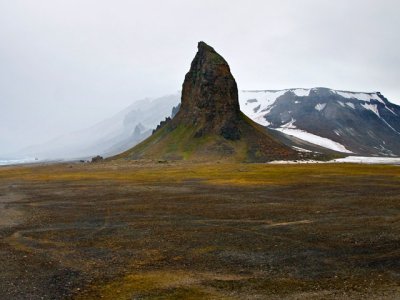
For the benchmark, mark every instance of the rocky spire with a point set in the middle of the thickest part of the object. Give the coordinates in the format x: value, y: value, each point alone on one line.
x: 210, y: 96
x: 209, y: 125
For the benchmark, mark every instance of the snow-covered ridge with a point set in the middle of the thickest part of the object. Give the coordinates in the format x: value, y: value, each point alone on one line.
x: 297, y: 91
x: 256, y: 104
x: 272, y: 95
x: 367, y: 97
x: 275, y: 108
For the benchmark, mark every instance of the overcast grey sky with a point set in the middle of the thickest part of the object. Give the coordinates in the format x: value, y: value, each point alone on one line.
x: 66, y: 64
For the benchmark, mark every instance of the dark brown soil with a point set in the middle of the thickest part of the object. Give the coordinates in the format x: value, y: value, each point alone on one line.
x: 234, y: 231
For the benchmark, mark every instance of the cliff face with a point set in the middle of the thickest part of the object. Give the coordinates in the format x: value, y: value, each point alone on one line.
x: 210, y: 96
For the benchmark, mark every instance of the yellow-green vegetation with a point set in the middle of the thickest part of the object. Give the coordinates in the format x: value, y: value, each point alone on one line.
x: 211, y: 173
x: 183, y: 142
x: 179, y: 144
x: 157, y: 285
x: 149, y: 230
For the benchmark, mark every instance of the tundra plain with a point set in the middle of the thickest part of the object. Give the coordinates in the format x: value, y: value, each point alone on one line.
x: 145, y: 230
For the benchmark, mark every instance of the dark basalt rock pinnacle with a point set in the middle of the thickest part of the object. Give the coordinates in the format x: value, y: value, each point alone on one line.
x: 209, y: 125
x: 210, y: 96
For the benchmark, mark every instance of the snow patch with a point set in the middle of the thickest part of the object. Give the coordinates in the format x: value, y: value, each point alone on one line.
x: 301, y: 92
x: 349, y: 104
x: 320, y: 106
x: 289, y: 124
x: 257, y: 104
x: 349, y: 159
x: 292, y: 162
x: 391, y: 111
x: 374, y: 109
x: 368, y: 160
x: 390, y: 126
x: 341, y: 103
x: 312, y: 138
x: 367, y: 97
x: 371, y: 107
x: 261, y: 120
x: 300, y: 149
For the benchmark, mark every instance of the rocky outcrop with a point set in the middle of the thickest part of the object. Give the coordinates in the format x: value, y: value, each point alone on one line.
x: 162, y: 124
x: 97, y: 159
x: 175, y: 110
x: 210, y: 96
x: 209, y: 124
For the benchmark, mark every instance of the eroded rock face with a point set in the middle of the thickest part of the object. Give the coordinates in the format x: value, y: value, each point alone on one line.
x: 210, y: 96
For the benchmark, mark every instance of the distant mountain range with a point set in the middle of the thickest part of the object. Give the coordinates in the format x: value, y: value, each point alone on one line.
x: 317, y: 119
x: 111, y: 136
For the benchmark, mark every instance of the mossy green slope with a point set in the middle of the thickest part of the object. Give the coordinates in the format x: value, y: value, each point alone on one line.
x: 180, y: 143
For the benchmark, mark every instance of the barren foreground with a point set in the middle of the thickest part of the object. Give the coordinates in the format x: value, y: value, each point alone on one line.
x: 187, y: 231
